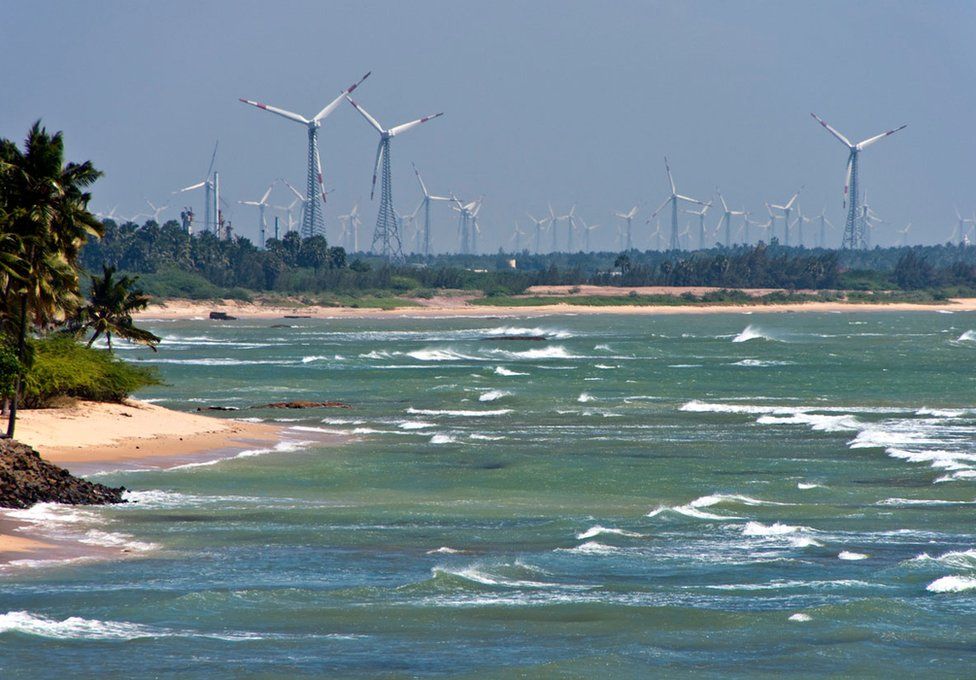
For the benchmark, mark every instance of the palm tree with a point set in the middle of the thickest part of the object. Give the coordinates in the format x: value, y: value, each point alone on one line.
x: 111, y: 302
x: 44, y: 223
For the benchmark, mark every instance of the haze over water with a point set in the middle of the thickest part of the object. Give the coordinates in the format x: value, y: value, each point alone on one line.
x: 721, y: 494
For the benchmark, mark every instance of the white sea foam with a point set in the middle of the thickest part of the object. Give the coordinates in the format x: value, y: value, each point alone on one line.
x: 494, y: 395
x: 752, y: 332
x: 78, y: 628
x: 501, y: 370
x: 761, y: 363
x: 444, y: 550
x: 955, y: 559
x: 458, y: 412
x: 414, y: 425
x: 485, y: 437
x: 443, y: 439
x: 604, y: 367
x: 968, y: 336
x: 592, y: 548
x: 775, y: 529
x: 551, y: 352
x: 584, y: 397
x: 816, y: 421
x: 280, y: 447
x: 602, y: 348
x: 475, y: 573
x: 694, y: 508
x: 921, y: 502
x: 552, y: 333
x: 800, y: 618
x: 851, y: 556
x: 446, y: 354
x: 804, y: 486
x: 952, y: 584
x: 598, y: 530
x: 222, y: 361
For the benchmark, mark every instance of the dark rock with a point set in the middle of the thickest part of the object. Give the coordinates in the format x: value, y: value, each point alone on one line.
x: 26, y: 478
x: 305, y: 404
x: 297, y: 316
x: 279, y: 325
x: 222, y: 316
x: 217, y: 408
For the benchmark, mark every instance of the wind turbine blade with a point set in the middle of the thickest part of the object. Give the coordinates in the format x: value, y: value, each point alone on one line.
x: 213, y: 159
x: 365, y: 114
x: 191, y: 188
x: 689, y: 199
x: 831, y: 130
x: 264, y: 199
x: 789, y: 203
x: 423, y: 187
x: 295, y: 191
x: 667, y: 167
x: 399, y: 129
x: 318, y: 175
x: 281, y: 112
x: 847, y: 177
x: 659, y: 209
x: 376, y: 168
x: 868, y: 142
x: 324, y: 113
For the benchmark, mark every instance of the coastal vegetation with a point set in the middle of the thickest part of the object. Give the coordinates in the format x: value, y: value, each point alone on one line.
x: 44, y: 224
x: 173, y: 263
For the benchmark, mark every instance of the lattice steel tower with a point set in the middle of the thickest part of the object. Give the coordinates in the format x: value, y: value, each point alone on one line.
x: 387, y: 233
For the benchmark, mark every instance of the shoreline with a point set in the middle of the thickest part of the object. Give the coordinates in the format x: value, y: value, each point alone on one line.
x: 460, y: 307
x: 90, y: 437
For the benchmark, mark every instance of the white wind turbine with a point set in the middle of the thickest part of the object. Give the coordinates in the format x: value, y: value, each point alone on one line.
x: 553, y: 219
x: 673, y: 200
x: 628, y: 217
x: 903, y: 234
x: 155, y: 211
x: 538, y: 231
x: 428, y: 197
x: 569, y: 217
x: 587, y: 229
x: 961, y: 230
x: 853, y: 237
x: 786, y: 209
x: 656, y: 235
x: 210, y: 199
x: 701, y: 223
x: 261, y: 206
x: 824, y: 223
x: 313, y: 221
x: 385, y: 234
x: 726, y: 220
x: 516, y: 237
x: 351, y: 224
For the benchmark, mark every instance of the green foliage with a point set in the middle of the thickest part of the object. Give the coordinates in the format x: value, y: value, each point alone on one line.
x: 170, y: 282
x: 10, y: 366
x: 64, y: 367
x: 111, y: 302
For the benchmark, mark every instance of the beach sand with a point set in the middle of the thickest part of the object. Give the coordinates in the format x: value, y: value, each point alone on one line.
x: 458, y: 304
x: 92, y: 436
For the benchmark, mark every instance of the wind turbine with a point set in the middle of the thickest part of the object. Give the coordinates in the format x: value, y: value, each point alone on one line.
x: 352, y: 222
x: 822, y: 218
x: 701, y: 223
x: 428, y: 197
x: 516, y: 237
x: 786, y: 209
x: 386, y: 232
x: 960, y: 231
x: 587, y: 228
x: 312, y: 220
x: 726, y: 220
x: 569, y: 217
x: 903, y: 234
x: 155, y: 211
x: 261, y: 205
x: 538, y: 231
x: 673, y: 200
x: 467, y: 238
x: 209, y: 186
x: 552, y: 228
x: 853, y: 237
x: 628, y: 217
x: 656, y: 234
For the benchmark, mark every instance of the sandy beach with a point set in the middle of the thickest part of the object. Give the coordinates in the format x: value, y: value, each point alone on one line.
x: 92, y: 436
x: 459, y: 305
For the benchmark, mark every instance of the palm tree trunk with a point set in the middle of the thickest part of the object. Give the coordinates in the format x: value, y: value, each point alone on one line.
x: 108, y: 337
x: 21, y: 354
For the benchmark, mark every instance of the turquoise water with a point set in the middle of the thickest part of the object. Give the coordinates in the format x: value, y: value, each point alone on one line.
x: 710, y: 495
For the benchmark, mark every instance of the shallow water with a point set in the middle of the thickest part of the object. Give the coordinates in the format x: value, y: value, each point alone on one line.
x: 740, y: 495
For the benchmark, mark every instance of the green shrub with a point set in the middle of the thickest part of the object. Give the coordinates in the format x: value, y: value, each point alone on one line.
x: 65, y: 368
x: 176, y: 283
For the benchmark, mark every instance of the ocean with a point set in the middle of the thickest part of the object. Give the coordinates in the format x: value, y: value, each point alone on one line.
x: 714, y: 495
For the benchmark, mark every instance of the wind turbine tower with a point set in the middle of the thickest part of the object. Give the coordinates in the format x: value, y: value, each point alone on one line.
x: 209, y: 214
x: 855, y: 235
x: 386, y: 234
x: 313, y: 221
x: 538, y: 231
x: 726, y: 220
x: 673, y: 200
x: 787, y: 208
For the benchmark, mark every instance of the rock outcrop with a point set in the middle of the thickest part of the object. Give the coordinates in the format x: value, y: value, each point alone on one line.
x: 26, y: 478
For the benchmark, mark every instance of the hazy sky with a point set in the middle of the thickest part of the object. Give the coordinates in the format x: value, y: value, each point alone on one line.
x: 569, y: 102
